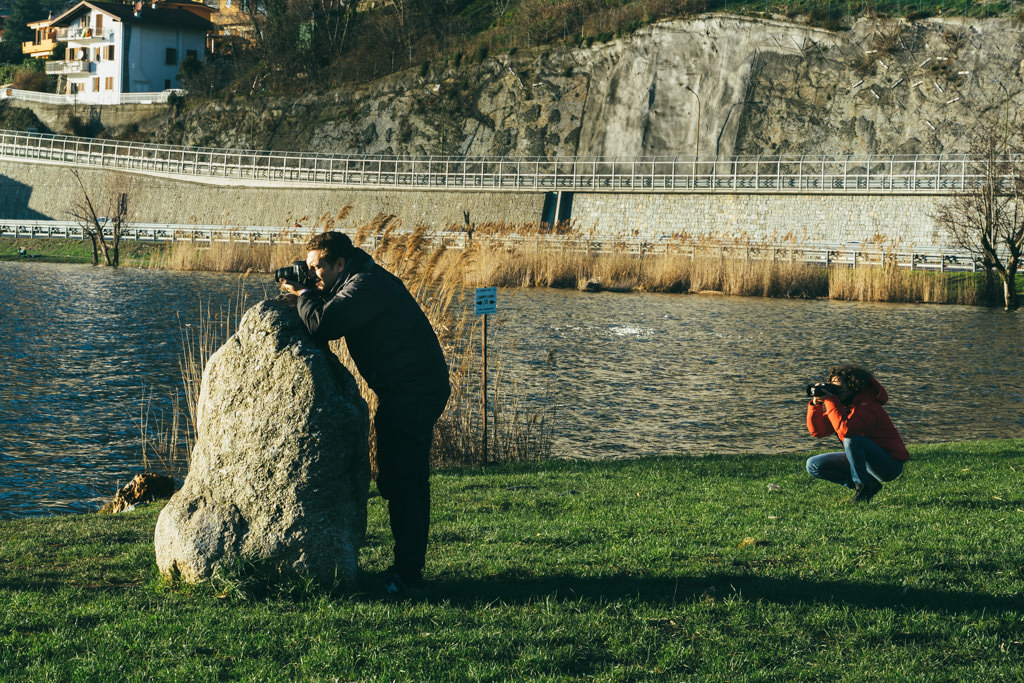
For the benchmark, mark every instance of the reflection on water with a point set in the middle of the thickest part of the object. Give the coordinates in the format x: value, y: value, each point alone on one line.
x: 632, y: 374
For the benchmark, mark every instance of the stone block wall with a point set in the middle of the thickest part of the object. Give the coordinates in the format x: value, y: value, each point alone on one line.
x: 47, y: 192
x: 802, y: 218
x: 43, y: 191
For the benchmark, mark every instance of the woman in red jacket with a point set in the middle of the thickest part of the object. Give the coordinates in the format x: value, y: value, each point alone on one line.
x: 851, y: 408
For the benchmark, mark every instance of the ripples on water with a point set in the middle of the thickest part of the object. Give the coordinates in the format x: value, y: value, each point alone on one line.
x: 639, y: 374
x: 80, y: 347
x: 631, y: 374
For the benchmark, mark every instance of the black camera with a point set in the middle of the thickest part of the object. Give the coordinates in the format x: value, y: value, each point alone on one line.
x: 821, y: 389
x: 296, y: 272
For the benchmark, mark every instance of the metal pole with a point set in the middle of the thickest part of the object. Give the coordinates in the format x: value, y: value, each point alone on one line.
x: 483, y: 393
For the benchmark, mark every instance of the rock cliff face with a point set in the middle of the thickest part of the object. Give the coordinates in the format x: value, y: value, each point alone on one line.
x: 716, y: 84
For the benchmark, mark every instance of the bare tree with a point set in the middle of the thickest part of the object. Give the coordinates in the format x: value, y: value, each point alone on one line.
x: 104, y: 228
x: 987, y: 219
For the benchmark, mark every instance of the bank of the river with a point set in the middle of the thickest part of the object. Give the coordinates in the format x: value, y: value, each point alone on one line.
x: 720, y: 568
x: 538, y: 265
x: 75, y: 251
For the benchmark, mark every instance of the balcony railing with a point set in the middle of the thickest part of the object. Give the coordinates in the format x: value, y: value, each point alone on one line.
x: 84, y: 34
x: 32, y: 47
x: 808, y: 174
x: 69, y: 67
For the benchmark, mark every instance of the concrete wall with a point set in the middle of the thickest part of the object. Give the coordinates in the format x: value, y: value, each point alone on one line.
x: 42, y: 191
x: 39, y: 191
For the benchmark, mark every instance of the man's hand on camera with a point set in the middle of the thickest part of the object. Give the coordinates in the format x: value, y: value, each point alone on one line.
x: 292, y: 288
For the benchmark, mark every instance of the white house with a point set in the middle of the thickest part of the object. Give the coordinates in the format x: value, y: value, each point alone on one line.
x: 114, y: 49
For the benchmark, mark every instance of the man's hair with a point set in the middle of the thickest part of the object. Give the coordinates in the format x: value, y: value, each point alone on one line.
x: 856, y: 377
x: 335, y: 244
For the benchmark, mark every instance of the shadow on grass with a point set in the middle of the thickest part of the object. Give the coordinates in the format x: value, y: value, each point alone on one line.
x: 662, y: 592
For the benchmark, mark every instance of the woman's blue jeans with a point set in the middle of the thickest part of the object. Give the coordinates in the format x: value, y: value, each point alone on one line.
x: 860, y: 459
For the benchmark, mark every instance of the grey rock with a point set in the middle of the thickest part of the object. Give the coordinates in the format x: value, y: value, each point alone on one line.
x: 280, y: 470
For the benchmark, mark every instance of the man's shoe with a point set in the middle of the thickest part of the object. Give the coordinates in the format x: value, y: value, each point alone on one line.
x: 404, y: 589
x: 865, y: 492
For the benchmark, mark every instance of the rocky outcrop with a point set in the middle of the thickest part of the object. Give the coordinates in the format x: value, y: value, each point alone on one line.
x: 713, y: 85
x: 754, y: 86
x: 280, y: 471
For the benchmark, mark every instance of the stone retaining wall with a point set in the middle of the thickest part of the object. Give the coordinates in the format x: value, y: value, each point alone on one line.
x: 907, y: 219
x: 44, y: 191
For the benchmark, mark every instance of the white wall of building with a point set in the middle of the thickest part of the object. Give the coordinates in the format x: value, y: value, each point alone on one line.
x: 128, y: 57
x: 155, y: 55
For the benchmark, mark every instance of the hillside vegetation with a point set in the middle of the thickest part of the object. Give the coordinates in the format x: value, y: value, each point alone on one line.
x: 339, y: 46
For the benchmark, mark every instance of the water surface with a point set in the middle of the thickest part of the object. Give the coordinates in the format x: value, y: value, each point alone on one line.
x: 629, y: 374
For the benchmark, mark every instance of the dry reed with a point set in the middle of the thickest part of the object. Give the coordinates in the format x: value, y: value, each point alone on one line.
x: 531, y: 255
x: 896, y: 285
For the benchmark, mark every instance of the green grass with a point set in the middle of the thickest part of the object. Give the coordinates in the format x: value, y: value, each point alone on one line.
x: 57, y: 250
x: 656, y: 569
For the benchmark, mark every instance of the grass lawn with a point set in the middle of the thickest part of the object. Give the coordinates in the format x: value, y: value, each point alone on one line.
x: 57, y: 250
x: 715, y: 568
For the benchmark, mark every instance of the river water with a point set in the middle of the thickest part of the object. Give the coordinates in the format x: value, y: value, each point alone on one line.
x: 629, y: 374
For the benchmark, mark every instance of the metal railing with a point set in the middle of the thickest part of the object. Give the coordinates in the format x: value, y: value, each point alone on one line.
x: 851, y: 254
x: 66, y: 67
x: 84, y: 34
x: 820, y: 174
x: 159, y: 97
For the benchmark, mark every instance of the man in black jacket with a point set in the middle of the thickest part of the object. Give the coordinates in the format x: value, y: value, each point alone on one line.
x: 397, y: 353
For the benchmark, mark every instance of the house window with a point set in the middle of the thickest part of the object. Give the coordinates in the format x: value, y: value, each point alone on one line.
x: 191, y: 53
x: 110, y: 52
x: 96, y: 84
x: 109, y: 83
x: 172, y: 56
x: 167, y: 84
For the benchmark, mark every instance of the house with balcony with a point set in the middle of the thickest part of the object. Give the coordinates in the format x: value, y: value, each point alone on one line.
x: 114, y: 49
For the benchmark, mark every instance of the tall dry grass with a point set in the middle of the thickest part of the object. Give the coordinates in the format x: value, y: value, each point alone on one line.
x: 895, y: 285
x: 436, y: 277
x: 539, y: 261
x: 534, y: 255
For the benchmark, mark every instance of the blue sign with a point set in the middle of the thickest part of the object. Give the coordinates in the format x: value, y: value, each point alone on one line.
x: 486, y: 300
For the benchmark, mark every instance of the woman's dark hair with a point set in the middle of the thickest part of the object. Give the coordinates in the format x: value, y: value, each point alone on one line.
x: 856, y: 377
x: 335, y: 244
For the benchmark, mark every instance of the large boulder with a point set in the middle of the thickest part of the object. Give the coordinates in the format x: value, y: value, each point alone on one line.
x: 280, y: 470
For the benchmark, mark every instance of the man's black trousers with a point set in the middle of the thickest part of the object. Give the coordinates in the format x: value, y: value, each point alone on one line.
x: 405, y: 427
